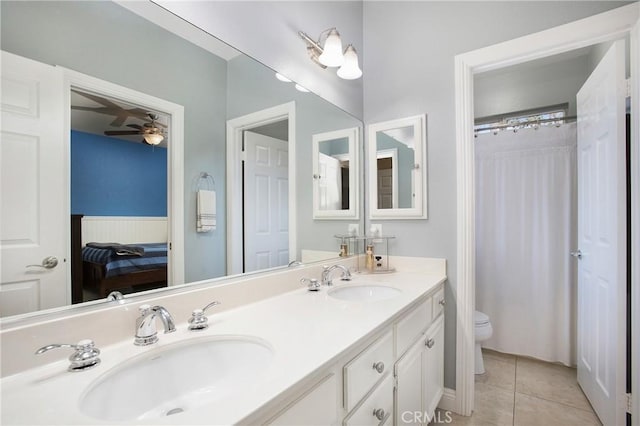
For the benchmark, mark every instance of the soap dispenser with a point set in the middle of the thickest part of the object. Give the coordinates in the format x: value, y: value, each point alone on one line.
x: 370, y: 261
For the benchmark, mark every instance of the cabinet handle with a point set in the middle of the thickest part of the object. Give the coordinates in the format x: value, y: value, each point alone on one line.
x: 429, y: 343
x: 379, y: 366
x: 442, y: 302
x: 378, y: 413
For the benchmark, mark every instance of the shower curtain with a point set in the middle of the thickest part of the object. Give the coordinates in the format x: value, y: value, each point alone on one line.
x: 526, y: 225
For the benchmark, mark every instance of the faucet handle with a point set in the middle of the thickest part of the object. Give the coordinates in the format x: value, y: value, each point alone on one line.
x: 198, y: 320
x: 311, y: 283
x: 84, y: 357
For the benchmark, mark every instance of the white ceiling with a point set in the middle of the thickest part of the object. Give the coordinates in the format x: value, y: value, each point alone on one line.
x: 94, y: 114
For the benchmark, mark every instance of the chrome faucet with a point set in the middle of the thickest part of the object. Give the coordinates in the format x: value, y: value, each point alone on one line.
x: 86, y: 354
x: 327, y: 270
x: 146, y: 333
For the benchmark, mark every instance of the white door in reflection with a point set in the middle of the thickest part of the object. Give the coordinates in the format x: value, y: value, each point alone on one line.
x: 329, y: 182
x: 265, y: 202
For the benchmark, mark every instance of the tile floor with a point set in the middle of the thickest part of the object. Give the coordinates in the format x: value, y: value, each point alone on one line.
x: 525, y: 392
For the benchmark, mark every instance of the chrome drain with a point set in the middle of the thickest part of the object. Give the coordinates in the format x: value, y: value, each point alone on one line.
x: 174, y: 411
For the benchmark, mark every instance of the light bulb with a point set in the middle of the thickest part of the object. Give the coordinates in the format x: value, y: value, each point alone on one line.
x: 332, y: 51
x: 153, y: 138
x: 350, y: 69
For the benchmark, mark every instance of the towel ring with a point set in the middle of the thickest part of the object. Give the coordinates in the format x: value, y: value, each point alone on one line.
x: 206, y: 181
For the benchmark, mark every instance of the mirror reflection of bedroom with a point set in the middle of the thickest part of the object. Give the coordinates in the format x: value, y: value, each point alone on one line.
x: 118, y: 179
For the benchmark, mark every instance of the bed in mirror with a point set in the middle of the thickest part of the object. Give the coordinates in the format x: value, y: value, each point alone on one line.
x: 156, y: 199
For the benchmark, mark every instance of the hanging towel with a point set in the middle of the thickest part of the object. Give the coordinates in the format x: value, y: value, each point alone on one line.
x: 206, y: 211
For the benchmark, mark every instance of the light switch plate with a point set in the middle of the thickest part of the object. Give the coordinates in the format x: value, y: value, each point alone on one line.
x: 375, y: 230
x: 353, y: 229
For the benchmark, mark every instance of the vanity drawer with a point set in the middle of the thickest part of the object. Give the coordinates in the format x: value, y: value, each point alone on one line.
x: 409, y: 328
x: 377, y: 409
x: 438, y: 302
x: 366, y: 369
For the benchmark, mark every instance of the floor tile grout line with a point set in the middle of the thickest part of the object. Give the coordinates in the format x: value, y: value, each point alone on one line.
x: 589, y: 410
x: 515, y: 383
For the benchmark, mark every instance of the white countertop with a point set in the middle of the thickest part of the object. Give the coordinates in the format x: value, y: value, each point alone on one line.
x: 306, y: 330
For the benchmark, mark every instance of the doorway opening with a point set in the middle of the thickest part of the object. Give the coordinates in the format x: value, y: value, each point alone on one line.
x: 607, y: 26
x: 265, y: 205
x: 251, y: 190
x: 125, y: 193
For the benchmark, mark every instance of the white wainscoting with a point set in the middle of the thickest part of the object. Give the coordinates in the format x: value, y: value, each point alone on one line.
x: 124, y: 230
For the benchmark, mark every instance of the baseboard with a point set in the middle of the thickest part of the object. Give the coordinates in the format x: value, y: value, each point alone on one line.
x: 448, y: 400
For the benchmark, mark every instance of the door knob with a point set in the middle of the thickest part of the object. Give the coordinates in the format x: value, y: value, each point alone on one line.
x: 577, y: 254
x: 48, y: 262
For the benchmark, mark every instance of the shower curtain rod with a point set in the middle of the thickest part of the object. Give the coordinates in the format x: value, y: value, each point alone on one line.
x: 529, y: 123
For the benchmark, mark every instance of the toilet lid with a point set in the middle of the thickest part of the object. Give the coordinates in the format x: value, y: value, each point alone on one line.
x: 480, y: 318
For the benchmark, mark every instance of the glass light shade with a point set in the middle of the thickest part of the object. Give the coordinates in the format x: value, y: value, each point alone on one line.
x: 153, y: 138
x: 301, y: 89
x: 350, y: 70
x: 332, y: 51
x: 282, y: 78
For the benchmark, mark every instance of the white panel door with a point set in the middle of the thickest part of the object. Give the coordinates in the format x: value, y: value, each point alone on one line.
x: 602, y: 237
x: 408, y: 394
x: 33, y: 211
x: 329, y: 183
x: 266, y: 202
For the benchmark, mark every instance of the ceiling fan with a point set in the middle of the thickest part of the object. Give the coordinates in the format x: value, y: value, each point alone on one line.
x: 152, y: 131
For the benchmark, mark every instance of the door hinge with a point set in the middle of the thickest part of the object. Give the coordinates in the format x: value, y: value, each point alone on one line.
x: 629, y: 403
x: 627, y: 89
x: 169, y: 246
x: 395, y: 382
x: 243, y: 155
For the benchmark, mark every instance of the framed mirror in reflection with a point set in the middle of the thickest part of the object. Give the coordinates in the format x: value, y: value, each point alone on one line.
x: 111, y: 79
x: 336, y: 172
x: 398, y: 179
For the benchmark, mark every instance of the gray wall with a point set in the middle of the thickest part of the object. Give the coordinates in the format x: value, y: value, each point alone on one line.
x: 104, y: 40
x: 523, y: 87
x: 268, y: 32
x: 253, y: 88
x: 409, y: 69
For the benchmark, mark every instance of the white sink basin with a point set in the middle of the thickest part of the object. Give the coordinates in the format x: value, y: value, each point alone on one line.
x: 176, y: 378
x: 364, y: 292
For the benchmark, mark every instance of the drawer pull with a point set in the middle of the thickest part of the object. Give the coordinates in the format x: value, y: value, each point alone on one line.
x: 379, y: 366
x: 429, y: 343
x: 378, y: 413
x: 442, y: 302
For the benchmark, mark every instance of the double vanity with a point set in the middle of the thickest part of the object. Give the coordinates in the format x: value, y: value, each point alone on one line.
x: 365, y: 351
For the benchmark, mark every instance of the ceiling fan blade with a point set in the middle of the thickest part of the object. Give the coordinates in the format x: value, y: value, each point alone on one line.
x: 99, y: 99
x: 135, y: 126
x: 121, y: 132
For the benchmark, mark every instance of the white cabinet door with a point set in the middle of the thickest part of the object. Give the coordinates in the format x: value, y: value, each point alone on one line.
x: 318, y: 406
x: 33, y: 207
x: 433, y: 366
x: 409, y: 378
x: 601, y: 237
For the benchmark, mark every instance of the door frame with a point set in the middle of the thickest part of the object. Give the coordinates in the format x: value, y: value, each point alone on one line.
x: 393, y: 154
x: 175, y: 160
x: 235, y: 128
x: 611, y: 25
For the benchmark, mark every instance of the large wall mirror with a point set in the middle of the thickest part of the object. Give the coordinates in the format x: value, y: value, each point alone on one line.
x: 200, y: 85
x: 397, y: 169
x: 336, y: 171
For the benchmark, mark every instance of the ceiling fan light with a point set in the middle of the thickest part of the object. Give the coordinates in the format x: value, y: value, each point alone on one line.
x: 332, y: 51
x: 282, y: 78
x: 350, y: 70
x: 153, y: 138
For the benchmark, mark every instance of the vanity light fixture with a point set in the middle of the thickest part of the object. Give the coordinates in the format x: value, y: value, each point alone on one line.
x: 301, y: 89
x: 331, y: 54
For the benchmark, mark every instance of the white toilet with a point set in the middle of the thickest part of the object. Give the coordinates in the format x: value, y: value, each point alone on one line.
x: 483, y: 331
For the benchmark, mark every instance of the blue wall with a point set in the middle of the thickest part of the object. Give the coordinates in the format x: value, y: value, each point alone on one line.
x: 112, y: 177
